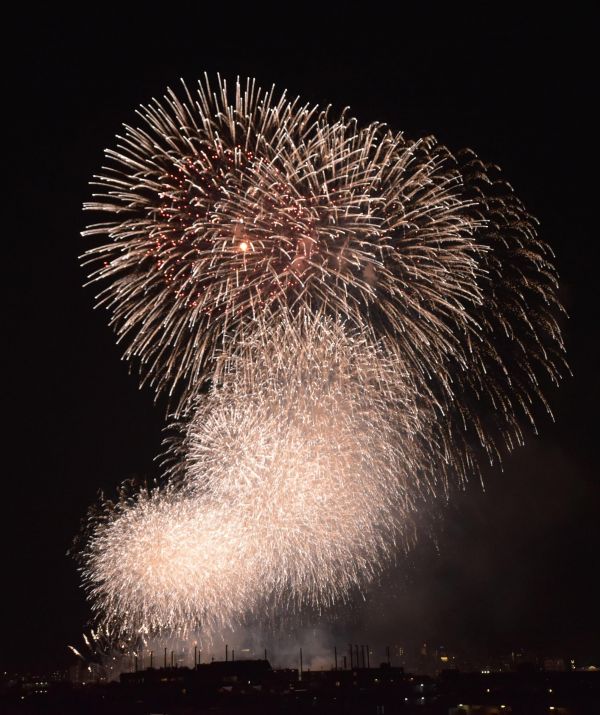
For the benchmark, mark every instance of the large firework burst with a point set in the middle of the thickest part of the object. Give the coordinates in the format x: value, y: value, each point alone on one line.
x: 217, y: 210
x: 290, y: 483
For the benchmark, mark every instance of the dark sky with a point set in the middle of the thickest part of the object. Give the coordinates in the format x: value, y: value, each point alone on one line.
x: 516, y: 564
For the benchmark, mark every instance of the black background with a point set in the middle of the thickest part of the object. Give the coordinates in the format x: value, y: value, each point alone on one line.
x: 517, y: 564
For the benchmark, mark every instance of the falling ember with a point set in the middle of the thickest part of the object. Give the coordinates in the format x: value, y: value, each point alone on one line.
x: 346, y: 322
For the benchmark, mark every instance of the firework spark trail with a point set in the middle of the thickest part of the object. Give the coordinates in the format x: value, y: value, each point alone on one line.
x: 374, y: 314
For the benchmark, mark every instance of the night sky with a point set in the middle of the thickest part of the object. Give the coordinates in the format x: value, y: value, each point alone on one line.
x: 514, y: 566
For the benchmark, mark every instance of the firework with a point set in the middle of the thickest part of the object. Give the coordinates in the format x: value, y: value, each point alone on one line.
x: 218, y: 210
x: 163, y: 561
x: 367, y: 314
x: 291, y: 483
